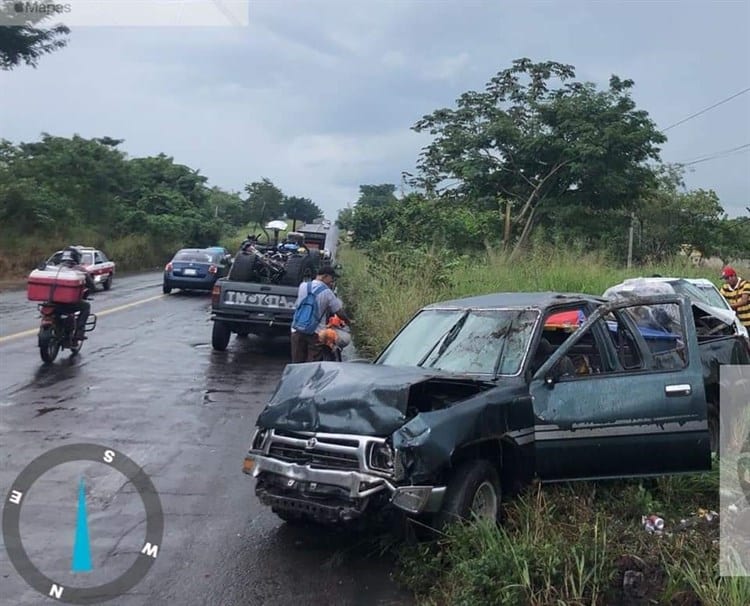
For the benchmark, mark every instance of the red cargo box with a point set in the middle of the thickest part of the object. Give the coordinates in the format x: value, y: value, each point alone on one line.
x: 57, y: 286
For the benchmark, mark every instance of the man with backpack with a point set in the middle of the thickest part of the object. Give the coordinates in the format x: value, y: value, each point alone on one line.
x: 316, y: 301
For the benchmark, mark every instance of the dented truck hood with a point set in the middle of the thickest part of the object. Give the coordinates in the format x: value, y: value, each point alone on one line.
x: 341, y: 397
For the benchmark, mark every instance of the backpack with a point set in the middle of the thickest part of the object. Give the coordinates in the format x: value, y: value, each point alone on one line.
x: 306, y: 316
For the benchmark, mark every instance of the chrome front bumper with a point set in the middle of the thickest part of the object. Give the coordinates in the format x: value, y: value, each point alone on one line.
x: 413, y: 499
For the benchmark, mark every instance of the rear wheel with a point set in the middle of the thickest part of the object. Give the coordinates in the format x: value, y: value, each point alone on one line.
x: 298, y: 269
x: 220, y: 335
x: 243, y: 268
x: 166, y: 288
x: 49, y: 346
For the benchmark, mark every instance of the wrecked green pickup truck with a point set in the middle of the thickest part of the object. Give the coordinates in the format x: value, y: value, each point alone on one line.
x: 475, y: 397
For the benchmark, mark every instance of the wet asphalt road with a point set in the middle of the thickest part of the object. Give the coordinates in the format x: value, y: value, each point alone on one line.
x: 148, y: 384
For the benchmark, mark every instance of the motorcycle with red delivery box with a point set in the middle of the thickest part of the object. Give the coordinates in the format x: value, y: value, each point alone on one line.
x: 58, y: 289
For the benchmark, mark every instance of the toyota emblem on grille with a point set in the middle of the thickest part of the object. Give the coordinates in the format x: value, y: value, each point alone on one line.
x: 311, y: 443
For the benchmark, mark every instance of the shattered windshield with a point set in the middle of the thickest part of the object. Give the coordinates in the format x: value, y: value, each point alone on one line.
x: 712, y: 296
x: 464, y: 341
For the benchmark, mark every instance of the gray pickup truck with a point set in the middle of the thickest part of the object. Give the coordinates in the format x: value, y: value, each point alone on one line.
x: 474, y: 398
x: 259, y: 294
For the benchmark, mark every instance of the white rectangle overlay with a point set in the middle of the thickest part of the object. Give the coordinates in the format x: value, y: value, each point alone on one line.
x: 126, y: 13
x: 734, y: 471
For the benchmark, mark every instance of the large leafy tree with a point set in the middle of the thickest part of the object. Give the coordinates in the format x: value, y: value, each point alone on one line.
x: 376, y: 195
x: 61, y: 187
x: 264, y: 201
x: 671, y: 219
x: 300, y: 209
x: 22, y: 40
x: 61, y: 181
x: 542, y: 141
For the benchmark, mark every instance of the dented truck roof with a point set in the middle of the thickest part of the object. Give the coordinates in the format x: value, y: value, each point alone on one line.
x: 516, y: 300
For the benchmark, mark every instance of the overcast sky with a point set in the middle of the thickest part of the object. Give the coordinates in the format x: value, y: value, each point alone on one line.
x: 320, y: 96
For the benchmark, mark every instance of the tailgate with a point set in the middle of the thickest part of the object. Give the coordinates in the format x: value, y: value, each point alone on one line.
x: 249, y: 296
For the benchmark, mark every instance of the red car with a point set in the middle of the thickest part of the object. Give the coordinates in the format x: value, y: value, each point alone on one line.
x: 95, y: 262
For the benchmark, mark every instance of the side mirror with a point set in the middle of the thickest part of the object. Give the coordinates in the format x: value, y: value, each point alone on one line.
x: 549, y: 381
x: 41, y: 265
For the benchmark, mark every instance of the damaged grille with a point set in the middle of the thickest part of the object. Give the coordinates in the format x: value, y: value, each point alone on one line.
x: 340, y: 452
x: 315, y: 457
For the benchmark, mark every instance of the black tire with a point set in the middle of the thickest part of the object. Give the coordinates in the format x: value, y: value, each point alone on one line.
x: 315, y: 257
x: 714, y: 427
x: 108, y: 283
x: 242, y: 268
x: 166, y: 288
x: 75, y: 347
x: 463, y: 492
x: 75, y: 344
x: 49, y: 346
x: 220, y: 335
x: 298, y: 269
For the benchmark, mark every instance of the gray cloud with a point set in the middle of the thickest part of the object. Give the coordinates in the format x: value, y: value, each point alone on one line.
x: 320, y: 96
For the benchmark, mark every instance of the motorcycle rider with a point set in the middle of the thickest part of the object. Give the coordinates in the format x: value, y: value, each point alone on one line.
x: 71, y: 259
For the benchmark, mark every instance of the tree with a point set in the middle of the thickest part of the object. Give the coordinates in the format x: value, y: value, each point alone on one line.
x: 264, y: 201
x: 300, y: 209
x: 22, y: 42
x: 376, y: 195
x: 540, y: 148
x: 344, y: 219
x: 672, y: 219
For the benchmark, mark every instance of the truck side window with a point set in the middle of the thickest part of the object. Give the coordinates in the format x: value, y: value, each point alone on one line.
x: 661, y: 327
x: 584, y: 358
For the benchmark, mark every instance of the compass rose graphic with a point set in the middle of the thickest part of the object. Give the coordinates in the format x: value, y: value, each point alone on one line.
x: 81, y: 562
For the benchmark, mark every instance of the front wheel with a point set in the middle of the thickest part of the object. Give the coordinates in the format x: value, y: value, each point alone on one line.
x: 473, y: 492
x: 49, y: 346
x: 108, y: 282
x: 220, y: 335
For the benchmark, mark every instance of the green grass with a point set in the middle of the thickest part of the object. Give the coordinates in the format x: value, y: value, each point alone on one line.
x: 385, y: 291
x: 559, y: 545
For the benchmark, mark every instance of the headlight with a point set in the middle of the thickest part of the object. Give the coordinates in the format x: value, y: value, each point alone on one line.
x: 259, y: 438
x: 381, y: 458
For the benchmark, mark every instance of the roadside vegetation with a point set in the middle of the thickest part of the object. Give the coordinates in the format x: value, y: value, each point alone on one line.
x: 580, y: 543
x: 139, y: 211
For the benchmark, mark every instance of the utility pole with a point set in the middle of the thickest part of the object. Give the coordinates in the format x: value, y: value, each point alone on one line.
x: 506, y: 231
x: 630, y: 240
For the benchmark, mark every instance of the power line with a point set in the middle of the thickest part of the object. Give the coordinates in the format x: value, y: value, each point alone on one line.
x: 716, y: 155
x: 704, y: 110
